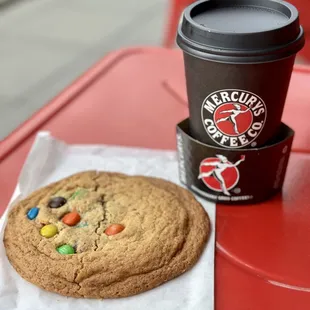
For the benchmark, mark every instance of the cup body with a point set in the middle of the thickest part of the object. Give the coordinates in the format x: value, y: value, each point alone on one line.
x: 238, y: 58
x: 235, y: 105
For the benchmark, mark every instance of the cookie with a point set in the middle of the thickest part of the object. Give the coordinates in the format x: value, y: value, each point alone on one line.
x: 105, y: 235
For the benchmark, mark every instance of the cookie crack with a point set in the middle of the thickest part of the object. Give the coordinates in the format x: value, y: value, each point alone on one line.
x: 102, y: 201
x: 100, y: 223
x: 161, y: 266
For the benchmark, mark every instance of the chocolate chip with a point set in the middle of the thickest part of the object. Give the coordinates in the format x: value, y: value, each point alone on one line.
x: 57, y: 202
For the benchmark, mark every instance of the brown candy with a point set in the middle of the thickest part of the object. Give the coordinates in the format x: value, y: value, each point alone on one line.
x: 71, y: 219
x: 114, y: 229
x: 57, y: 202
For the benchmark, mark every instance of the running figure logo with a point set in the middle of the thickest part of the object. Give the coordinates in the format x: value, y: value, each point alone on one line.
x: 233, y: 115
x: 219, y: 174
x: 233, y: 118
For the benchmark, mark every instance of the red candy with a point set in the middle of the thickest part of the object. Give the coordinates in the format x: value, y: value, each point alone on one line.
x: 114, y: 229
x: 71, y: 219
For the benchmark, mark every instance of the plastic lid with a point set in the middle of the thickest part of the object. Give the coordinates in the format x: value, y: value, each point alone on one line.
x: 240, y: 30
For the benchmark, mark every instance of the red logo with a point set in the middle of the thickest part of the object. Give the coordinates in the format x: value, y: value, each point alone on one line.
x: 233, y: 119
x: 219, y: 174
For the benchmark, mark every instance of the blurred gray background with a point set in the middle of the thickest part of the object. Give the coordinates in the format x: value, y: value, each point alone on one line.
x: 46, y: 44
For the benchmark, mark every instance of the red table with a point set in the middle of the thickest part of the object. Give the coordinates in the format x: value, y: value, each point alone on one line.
x: 135, y: 97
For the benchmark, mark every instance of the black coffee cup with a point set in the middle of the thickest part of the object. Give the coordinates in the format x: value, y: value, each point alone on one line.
x: 238, y: 56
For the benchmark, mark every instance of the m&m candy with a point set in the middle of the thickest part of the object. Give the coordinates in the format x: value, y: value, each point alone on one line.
x: 78, y: 194
x: 32, y: 213
x: 49, y: 231
x: 114, y: 229
x: 57, y: 202
x: 71, y: 219
x: 65, y: 249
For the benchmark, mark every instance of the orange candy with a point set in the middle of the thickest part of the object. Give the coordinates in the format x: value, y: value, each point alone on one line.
x: 71, y: 219
x: 114, y: 229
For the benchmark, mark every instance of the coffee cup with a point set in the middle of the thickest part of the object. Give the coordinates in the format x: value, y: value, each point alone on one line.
x: 238, y: 58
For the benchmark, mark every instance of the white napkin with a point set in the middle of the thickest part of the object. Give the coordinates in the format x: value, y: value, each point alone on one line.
x: 50, y: 160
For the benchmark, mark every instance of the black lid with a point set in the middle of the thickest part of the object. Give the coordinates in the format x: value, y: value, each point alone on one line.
x: 240, y: 30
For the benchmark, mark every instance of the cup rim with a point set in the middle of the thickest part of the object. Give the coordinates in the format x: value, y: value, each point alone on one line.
x: 202, y: 47
x: 289, y: 133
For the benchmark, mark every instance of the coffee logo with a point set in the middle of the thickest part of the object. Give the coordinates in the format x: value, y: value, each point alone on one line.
x: 219, y: 174
x: 233, y: 118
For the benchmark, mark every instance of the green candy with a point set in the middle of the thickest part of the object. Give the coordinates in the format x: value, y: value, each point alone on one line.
x: 78, y: 194
x: 81, y: 225
x: 65, y: 249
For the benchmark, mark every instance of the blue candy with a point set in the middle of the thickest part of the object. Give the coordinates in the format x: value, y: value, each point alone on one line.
x: 32, y: 213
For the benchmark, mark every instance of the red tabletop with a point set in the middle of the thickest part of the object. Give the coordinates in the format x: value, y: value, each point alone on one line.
x: 135, y: 97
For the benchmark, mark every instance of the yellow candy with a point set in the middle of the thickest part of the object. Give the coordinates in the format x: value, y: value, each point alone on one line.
x: 49, y: 231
